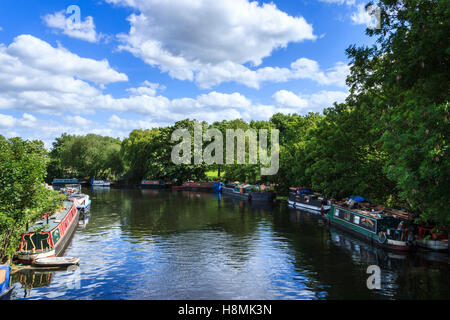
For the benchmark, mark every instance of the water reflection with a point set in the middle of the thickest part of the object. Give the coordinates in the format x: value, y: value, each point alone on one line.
x: 164, y: 244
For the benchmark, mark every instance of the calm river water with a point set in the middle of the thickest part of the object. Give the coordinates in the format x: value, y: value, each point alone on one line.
x: 149, y: 244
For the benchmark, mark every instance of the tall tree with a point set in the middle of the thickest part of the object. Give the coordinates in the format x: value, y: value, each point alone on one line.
x: 406, y: 74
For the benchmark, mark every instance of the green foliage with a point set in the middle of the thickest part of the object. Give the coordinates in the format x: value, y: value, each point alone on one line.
x: 147, y: 155
x: 90, y: 156
x: 24, y: 197
x: 405, y: 76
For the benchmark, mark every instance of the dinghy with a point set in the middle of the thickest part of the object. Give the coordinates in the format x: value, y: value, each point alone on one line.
x: 56, y: 262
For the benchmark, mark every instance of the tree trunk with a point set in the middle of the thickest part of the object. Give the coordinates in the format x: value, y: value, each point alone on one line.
x: 218, y: 171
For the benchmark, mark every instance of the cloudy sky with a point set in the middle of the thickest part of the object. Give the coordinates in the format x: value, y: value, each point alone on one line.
x: 127, y: 64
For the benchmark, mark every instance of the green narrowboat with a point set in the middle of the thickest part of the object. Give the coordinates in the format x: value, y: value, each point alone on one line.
x: 387, y: 228
x: 50, y: 236
x: 250, y: 192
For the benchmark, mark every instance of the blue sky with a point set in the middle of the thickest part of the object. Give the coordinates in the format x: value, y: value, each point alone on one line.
x: 128, y: 64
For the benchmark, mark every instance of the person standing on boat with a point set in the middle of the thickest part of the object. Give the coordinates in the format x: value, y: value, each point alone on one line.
x: 399, y: 230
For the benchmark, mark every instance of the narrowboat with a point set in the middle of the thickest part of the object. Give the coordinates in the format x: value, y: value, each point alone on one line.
x: 73, y: 193
x: 198, y: 186
x: 387, y: 228
x: 305, y: 199
x: 432, y: 238
x: 5, y: 286
x: 250, y: 192
x: 100, y: 183
x: 70, y: 189
x: 60, y: 183
x: 154, y: 184
x: 50, y: 236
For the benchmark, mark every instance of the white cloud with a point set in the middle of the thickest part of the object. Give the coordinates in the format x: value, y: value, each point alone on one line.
x: 302, y: 68
x: 7, y: 121
x: 34, y: 76
x: 30, y: 127
x: 116, y: 122
x: 85, y: 30
x: 286, y: 98
x: 78, y: 121
x: 209, y: 41
x: 361, y: 16
x: 147, y: 88
x: 302, y: 103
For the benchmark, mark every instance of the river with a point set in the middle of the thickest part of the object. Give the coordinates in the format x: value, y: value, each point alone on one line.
x: 150, y: 244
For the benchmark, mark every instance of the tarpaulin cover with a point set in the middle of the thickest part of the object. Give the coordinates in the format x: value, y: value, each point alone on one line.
x: 218, y: 186
x: 359, y: 199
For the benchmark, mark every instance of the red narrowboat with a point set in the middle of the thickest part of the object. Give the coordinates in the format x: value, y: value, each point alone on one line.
x: 50, y: 236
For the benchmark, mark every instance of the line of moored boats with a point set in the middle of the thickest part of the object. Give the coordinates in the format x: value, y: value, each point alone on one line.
x: 43, y: 243
x: 389, y: 228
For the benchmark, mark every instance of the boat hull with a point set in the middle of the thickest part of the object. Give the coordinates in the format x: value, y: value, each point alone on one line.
x: 7, y: 294
x: 56, y: 262
x: 198, y: 186
x: 154, y: 186
x: 309, y: 207
x: 251, y: 196
x: 364, y: 234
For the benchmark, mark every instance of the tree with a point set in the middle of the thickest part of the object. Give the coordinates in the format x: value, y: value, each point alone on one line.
x: 24, y: 197
x: 90, y: 156
x: 406, y: 73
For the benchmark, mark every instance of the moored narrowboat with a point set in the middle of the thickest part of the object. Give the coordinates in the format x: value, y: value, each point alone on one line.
x: 250, y: 192
x: 73, y: 193
x: 305, y: 199
x: 100, y: 183
x: 387, y: 228
x: 154, y: 184
x: 198, y: 186
x: 60, y: 183
x: 49, y: 236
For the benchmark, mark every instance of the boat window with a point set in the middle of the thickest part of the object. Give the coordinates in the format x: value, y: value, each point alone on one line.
x: 356, y: 219
x: 336, y: 212
x: 347, y: 216
x: 367, y: 224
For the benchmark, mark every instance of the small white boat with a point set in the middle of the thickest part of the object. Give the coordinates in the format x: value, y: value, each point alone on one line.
x: 100, y: 183
x: 56, y: 262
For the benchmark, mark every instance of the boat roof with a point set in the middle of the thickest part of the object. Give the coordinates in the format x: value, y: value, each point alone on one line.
x: 53, y: 221
x: 378, y: 211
